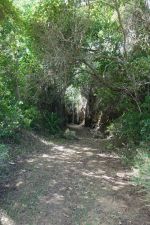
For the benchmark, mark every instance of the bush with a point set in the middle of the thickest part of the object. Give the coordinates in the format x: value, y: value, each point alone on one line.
x: 10, y: 117
x: 142, y: 165
x: 70, y: 134
x: 4, y: 157
x: 145, y: 130
x: 145, y: 120
x: 130, y: 130
x: 132, y: 126
x: 127, y: 127
x: 31, y: 117
x: 52, y: 122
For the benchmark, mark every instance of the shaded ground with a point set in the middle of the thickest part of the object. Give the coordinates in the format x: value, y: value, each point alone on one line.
x: 71, y: 183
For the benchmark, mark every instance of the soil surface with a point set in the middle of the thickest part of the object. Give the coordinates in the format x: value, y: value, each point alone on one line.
x: 71, y: 182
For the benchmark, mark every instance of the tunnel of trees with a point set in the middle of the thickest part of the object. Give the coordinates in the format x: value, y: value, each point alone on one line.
x: 76, y: 62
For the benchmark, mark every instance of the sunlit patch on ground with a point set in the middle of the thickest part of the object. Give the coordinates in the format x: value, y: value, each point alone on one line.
x: 5, y: 219
x: 71, y: 183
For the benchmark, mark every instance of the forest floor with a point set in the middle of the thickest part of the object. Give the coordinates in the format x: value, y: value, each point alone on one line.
x: 70, y: 182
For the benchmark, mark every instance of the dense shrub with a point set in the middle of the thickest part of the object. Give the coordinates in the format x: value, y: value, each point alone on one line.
x: 10, y: 115
x: 127, y: 127
x: 142, y: 165
x: 133, y: 126
x: 131, y: 130
x: 31, y: 117
x: 51, y: 122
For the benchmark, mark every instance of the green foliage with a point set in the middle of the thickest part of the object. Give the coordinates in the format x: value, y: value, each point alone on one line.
x: 17, y: 61
x: 131, y: 132
x: 142, y: 166
x: 31, y: 117
x: 128, y: 126
x: 72, y: 95
x: 145, y: 130
x: 10, y: 119
x: 7, y: 9
x: 133, y: 126
x: 10, y: 113
x: 25, y: 5
x: 52, y: 122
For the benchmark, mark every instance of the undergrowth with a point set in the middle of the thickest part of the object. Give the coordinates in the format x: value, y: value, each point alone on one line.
x: 142, y: 177
x: 4, y: 161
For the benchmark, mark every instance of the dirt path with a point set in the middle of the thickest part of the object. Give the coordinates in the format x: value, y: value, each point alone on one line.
x: 71, y: 183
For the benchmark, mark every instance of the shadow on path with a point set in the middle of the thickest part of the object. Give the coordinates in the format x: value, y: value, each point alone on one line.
x: 71, y: 183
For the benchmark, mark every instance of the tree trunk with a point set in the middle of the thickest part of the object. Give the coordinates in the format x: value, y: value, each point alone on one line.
x: 92, y: 111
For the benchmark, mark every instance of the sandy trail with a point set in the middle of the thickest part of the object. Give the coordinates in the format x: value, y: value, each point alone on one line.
x: 71, y: 183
